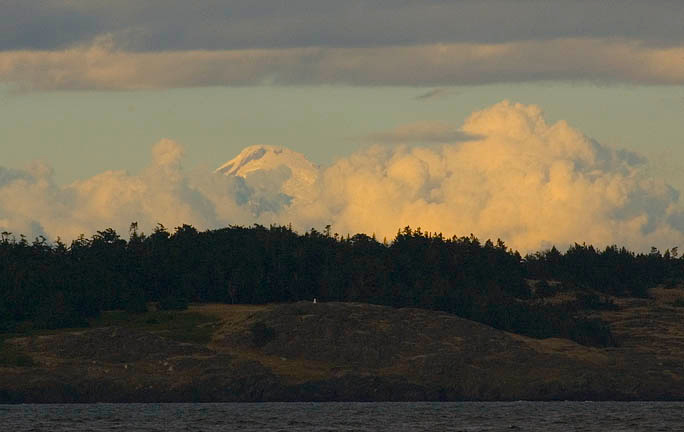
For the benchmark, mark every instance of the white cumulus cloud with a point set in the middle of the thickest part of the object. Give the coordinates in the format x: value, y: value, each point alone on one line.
x: 527, y: 181
x: 516, y: 177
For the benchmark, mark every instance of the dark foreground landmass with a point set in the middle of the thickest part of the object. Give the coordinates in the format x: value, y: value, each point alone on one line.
x: 343, y: 351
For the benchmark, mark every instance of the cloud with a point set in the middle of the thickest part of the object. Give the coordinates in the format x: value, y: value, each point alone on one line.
x: 520, y: 178
x: 167, y: 153
x: 531, y: 183
x: 31, y: 203
x: 101, y: 65
x: 168, y: 25
x: 433, y: 94
x: 421, y: 132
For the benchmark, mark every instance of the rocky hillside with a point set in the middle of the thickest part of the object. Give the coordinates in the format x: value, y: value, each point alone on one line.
x: 346, y: 351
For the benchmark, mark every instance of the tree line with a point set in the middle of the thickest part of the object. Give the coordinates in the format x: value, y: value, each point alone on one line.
x: 54, y: 285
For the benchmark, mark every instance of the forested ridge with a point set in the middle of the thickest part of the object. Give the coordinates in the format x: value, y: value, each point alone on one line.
x: 54, y: 285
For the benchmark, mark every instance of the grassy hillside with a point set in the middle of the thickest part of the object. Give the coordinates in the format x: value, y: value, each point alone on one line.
x: 342, y: 351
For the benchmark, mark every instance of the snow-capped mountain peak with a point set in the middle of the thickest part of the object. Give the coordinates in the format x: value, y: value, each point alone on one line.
x: 259, y: 160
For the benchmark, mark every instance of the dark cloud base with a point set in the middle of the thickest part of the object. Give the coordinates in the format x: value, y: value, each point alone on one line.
x: 233, y: 24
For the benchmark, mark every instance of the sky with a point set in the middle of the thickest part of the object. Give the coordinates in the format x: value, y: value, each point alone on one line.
x: 113, y: 112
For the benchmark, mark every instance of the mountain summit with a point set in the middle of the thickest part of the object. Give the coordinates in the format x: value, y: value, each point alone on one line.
x: 295, y: 173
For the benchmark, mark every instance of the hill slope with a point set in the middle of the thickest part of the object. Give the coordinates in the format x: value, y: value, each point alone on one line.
x: 347, y: 351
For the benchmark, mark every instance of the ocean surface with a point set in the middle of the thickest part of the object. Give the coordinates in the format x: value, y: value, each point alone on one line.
x: 423, y: 416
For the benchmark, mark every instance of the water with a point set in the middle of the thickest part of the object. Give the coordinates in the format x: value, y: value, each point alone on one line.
x: 424, y: 416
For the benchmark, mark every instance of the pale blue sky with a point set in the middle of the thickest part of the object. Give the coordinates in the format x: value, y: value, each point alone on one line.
x: 82, y: 133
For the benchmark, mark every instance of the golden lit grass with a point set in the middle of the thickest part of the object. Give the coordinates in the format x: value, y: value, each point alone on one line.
x: 667, y: 296
x: 230, y: 318
x: 225, y: 312
x: 292, y: 370
x: 565, y: 347
x: 237, y: 318
x: 183, y: 326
